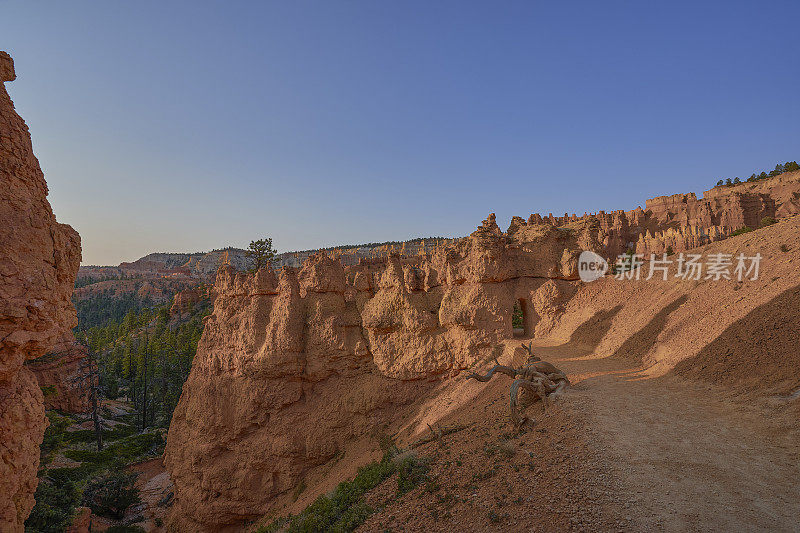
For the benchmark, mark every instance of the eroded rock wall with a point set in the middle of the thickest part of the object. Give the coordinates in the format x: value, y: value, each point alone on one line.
x: 38, y: 264
x: 62, y: 374
x: 282, y: 380
x: 184, y: 301
x: 293, y: 366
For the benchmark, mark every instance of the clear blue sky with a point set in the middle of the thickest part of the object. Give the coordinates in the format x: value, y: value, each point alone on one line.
x: 186, y: 126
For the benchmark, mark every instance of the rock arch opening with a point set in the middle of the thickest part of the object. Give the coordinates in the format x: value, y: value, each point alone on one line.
x: 520, y: 318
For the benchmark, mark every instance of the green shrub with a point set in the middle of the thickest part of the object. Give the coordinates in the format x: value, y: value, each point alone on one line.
x: 516, y: 317
x: 82, y: 435
x: 119, y: 432
x: 353, y: 517
x: 410, y: 473
x: 111, y: 494
x: 55, y: 506
x: 767, y: 221
x: 740, y: 231
x: 55, y: 433
x: 345, y: 509
x: 74, y: 475
x: 126, y: 450
x: 125, y: 529
x: 87, y: 435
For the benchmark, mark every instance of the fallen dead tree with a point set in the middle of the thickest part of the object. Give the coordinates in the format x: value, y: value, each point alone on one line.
x: 539, y: 378
x: 436, y: 434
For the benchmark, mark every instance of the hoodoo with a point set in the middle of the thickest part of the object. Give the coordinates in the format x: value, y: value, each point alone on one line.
x: 289, y: 369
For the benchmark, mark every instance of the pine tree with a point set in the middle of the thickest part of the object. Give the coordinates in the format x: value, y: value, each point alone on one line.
x: 261, y: 253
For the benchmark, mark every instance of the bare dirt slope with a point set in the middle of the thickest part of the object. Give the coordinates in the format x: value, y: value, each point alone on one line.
x: 620, y: 450
x: 490, y: 477
x: 683, y: 414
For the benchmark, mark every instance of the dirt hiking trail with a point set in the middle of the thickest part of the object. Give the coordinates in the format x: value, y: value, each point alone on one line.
x: 689, y: 457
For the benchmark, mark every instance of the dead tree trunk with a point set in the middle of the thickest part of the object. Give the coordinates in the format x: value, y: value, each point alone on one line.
x: 89, y: 380
x: 144, y: 391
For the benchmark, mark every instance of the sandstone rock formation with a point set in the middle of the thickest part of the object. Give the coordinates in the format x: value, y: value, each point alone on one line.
x: 292, y: 366
x: 282, y: 379
x: 38, y: 263
x: 61, y: 374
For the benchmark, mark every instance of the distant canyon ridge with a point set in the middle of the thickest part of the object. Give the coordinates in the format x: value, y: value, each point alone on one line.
x: 677, y: 222
x: 204, y: 265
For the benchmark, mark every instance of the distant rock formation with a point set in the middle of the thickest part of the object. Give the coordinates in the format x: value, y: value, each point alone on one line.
x: 38, y: 263
x: 679, y: 222
x: 682, y: 221
x: 201, y: 265
x: 204, y: 265
x: 158, y: 290
x: 184, y: 301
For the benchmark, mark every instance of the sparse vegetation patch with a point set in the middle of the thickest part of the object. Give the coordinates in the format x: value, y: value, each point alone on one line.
x: 345, y: 509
